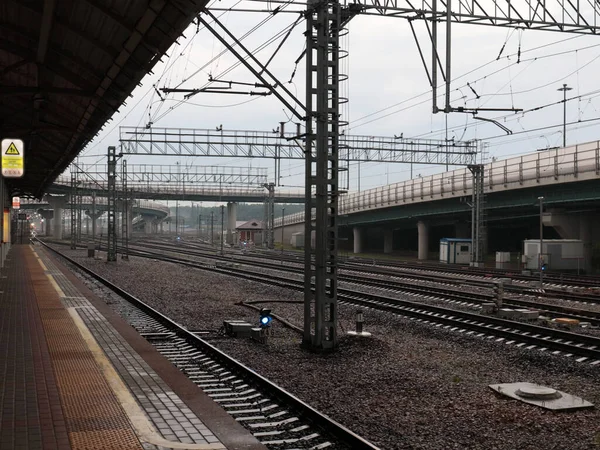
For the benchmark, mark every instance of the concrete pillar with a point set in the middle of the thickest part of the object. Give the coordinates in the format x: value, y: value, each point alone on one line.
x: 47, y: 215
x: 94, y: 216
x: 231, y: 219
x: 585, y: 234
x: 148, y: 223
x: 423, y: 230
x: 58, y: 204
x: 358, y: 236
x: 388, y: 240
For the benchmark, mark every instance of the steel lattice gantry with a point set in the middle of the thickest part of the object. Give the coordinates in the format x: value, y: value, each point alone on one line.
x: 581, y: 17
x: 322, y: 140
x: 323, y: 26
x: 140, y: 175
x: 265, y: 144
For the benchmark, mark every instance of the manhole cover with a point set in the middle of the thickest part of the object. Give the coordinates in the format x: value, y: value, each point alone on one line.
x: 537, y: 392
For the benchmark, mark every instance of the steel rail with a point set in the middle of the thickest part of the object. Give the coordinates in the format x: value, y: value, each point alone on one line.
x: 585, y: 346
x: 318, y: 419
x: 442, y: 293
x: 455, y: 294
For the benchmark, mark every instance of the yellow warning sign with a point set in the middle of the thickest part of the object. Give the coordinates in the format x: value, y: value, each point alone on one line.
x: 12, y: 150
x: 12, y: 158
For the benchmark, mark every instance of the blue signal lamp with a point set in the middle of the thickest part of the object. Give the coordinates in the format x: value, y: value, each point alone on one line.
x: 265, y: 317
x: 544, y: 267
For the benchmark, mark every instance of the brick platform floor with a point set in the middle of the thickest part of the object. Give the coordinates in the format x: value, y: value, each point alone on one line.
x: 53, y: 393
x: 31, y: 414
x: 70, y: 378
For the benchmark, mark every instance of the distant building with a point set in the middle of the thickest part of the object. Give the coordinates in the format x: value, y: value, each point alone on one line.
x: 247, y: 230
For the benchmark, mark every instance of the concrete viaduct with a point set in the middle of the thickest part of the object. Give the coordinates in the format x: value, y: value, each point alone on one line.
x: 423, y: 210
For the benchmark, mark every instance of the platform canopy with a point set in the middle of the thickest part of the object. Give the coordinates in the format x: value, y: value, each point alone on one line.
x: 66, y: 66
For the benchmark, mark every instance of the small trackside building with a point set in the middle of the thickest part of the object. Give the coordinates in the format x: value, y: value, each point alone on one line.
x: 247, y: 230
x: 455, y: 250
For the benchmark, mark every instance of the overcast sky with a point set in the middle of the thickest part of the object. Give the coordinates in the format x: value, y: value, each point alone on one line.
x: 388, y: 89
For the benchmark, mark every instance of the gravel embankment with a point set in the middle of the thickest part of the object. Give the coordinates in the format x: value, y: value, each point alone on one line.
x: 411, y: 386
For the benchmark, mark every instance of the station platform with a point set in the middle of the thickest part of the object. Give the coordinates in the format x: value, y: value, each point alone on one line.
x: 74, y: 375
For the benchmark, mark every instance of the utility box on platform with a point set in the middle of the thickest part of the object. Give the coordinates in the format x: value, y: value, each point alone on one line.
x: 455, y: 251
x: 297, y: 240
x: 558, y: 254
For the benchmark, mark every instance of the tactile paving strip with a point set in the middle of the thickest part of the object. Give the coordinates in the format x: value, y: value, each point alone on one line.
x: 94, y: 417
x: 31, y: 415
x: 171, y: 417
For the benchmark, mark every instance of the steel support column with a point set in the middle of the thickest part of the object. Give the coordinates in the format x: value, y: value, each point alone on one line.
x: 73, y: 205
x: 125, y: 215
x: 269, y: 225
x: 323, y: 21
x: 477, y: 216
x: 111, y: 254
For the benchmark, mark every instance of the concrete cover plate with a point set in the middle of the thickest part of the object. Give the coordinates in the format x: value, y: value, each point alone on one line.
x: 542, y: 396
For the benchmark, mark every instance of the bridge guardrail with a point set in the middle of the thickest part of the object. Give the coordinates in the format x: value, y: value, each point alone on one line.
x: 545, y: 167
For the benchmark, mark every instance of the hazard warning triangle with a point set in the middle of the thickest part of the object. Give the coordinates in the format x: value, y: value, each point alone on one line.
x: 12, y: 150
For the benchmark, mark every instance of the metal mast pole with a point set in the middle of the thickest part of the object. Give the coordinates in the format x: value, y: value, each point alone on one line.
x: 73, y: 203
x: 564, y: 89
x: 541, y: 258
x: 323, y: 21
x: 270, y: 215
x: 282, y: 228
x: 477, y: 222
x: 79, y: 209
x: 125, y: 215
x: 212, y: 227
x: 222, y: 224
x: 112, y: 204
x: 94, y: 218
x: 177, y: 202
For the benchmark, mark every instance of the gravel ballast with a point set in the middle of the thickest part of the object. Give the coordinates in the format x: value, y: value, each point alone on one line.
x: 410, y: 386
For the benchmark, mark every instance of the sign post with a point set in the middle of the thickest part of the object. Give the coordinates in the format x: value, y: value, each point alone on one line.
x: 13, y: 165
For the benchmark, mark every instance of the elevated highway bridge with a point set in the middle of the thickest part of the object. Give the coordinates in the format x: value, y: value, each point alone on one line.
x: 141, y: 212
x: 163, y: 191
x: 568, y: 179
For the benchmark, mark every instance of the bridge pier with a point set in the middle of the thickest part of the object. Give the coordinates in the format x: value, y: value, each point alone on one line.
x: 574, y: 227
x: 423, y: 240
x: 586, y: 235
x: 358, y: 238
x: 47, y: 215
x: 58, y: 204
x: 231, y: 220
x: 94, y: 216
x: 388, y: 240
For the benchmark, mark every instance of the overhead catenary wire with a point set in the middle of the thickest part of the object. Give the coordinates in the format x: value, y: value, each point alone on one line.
x: 428, y: 92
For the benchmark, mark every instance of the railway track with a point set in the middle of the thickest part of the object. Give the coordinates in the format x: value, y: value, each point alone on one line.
x: 454, y: 292
x: 584, y: 348
x: 416, y: 273
x: 275, y: 417
x: 558, y: 279
x: 404, y: 283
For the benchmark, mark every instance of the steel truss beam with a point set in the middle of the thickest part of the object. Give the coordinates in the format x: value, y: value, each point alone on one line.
x: 567, y: 16
x: 144, y: 174
x: 264, y: 144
